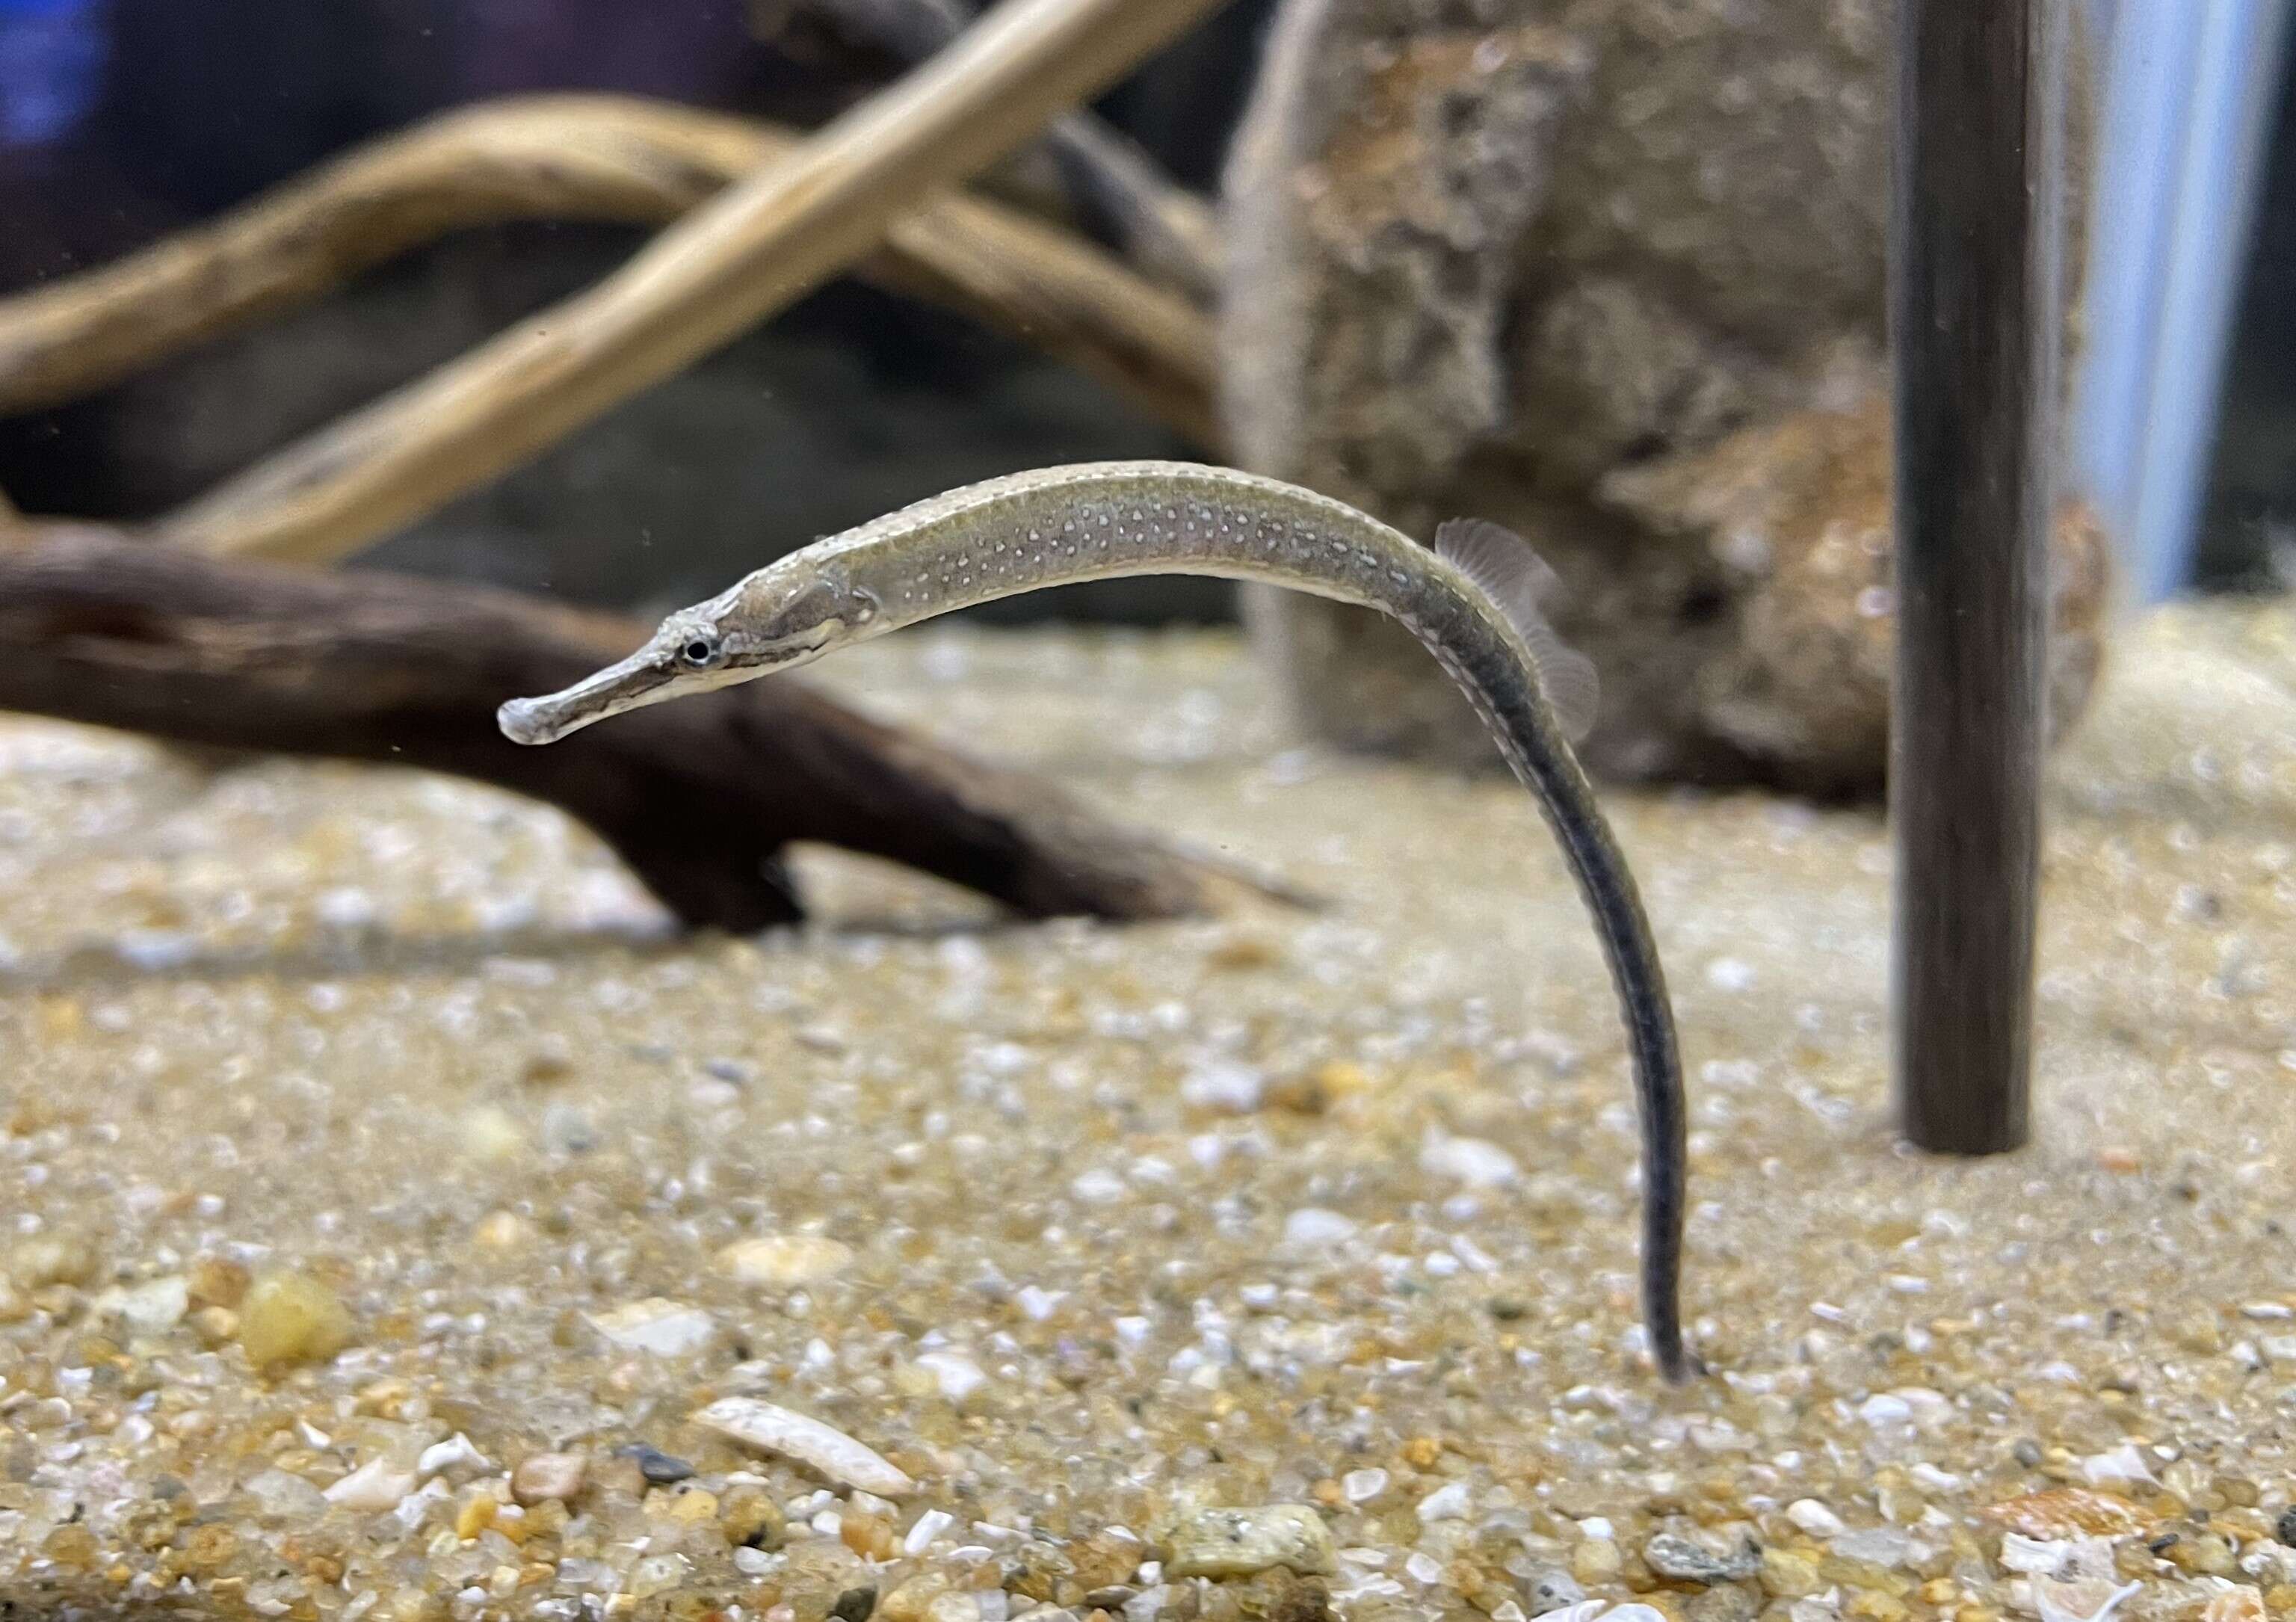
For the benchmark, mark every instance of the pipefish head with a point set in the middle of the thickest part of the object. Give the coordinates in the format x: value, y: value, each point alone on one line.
x: 777, y: 619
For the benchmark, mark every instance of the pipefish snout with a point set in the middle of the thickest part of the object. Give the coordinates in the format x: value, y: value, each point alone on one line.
x: 1473, y: 599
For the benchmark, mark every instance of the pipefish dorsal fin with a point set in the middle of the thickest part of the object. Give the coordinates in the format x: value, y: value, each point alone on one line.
x: 1517, y: 578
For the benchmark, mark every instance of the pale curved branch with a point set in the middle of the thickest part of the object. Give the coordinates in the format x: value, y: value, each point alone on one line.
x: 1164, y: 228
x: 749, y: 251
x: 591, y: 157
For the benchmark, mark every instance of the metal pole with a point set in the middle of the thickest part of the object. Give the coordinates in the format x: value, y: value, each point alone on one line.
x: 1975, y: 294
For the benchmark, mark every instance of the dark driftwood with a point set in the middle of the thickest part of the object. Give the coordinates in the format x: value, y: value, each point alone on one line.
x: 1979, y: 203
x: 699, y: 798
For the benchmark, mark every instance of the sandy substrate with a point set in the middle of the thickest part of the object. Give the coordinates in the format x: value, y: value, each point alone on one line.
x: 1082, y: 1233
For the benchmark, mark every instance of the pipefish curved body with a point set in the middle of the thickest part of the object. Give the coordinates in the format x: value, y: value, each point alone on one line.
x: 1473, y: 601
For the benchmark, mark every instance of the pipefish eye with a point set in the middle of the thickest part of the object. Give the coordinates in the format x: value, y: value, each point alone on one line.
x: 698, y: 652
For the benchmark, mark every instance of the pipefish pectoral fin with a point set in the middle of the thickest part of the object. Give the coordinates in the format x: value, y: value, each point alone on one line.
x: 1518, y: 582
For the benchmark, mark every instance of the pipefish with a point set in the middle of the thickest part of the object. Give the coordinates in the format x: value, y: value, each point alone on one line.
x: 1473, y: 600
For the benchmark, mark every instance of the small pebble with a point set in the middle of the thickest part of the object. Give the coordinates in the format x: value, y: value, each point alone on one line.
x: 1551, y: 1589
x: 52, y: 1259
x: 1224, y: 1085
x: 457, y: 1455
x: 1724, y: 1602
x: 1788, y: 1576
x: 928, y: 1525
x: 1596, y: 1561
x: 1239, y: 1541
x: 808, y: 1441
x: 783, y: 1260
x: 664, y: 1328
x: 1311, y: 1227
x: 493, y: 1136
x: 1815, y: 1518
x: 1453, y: 1500
x: 1471, y: 1161
x: 656, y: 1466
x: 542, y: 1476
x: 955, y: 1376
x: 290, y: 1317
x: 954, y: 1606
x: 1678, y: 1558
x: 376, y: 1485
x: 155, y: 1305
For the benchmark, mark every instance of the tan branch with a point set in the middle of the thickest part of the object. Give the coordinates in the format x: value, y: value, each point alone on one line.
x: 579, y: 157
x: 1164, y: 228
x: 734, y: 259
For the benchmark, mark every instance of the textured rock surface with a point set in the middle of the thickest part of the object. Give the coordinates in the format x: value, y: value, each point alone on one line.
x: 1493, y: 253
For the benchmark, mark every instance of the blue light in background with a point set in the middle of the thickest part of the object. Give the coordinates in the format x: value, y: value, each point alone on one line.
x: 50, y: 59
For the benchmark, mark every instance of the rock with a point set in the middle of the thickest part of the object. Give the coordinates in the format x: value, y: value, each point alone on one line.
x: 855, y: 1605
x: 2237, y: 1604
x: 954, y: 1606
x: 785, y: 1259
x: 1815, y: 1518
x: 374, y: 1487
x: 664, y: 1328
x: 750, y: 1520
x: 567, y: 1131
x: 2071, y: 1512
x: 1453, y: 1500
x: 1227, y: 1542
x: 1597, y: 1560
x: 1788, y: 1576
x: 457, y: 1458
x: 492, y: 1135
x: 502, y: 1231
x: 1311, y: 1227
x: 290, y: 1317
x: 912, y: 1600
x: 928, y: 1527
x: 1613, y: 276
x: 955, y: 1376
x: 282, y: 1496
x: 1724, y: 1602
x: 542, y: 1476
x: 2123, y: 1466
x: 1225, y: 1086
x: 216, y: 1325
x: 1468, y: 1160
x: 153, y: 1307
x: 1551, y: 1589
x: 1891, y: 1548
x: 53, y: 1258
x: 808, y: 1441
x: 656, y: 1466
x: 1672, y: 1555
x: 216, y: 1281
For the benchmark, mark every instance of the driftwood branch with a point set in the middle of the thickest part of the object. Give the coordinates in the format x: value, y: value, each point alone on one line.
x: 1164, y: 228
x: 591, y: 157
x: 699, y: 798
x: 734, y: 259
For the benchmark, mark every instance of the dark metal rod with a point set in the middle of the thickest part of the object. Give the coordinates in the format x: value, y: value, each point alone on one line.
x: 1974, y: 305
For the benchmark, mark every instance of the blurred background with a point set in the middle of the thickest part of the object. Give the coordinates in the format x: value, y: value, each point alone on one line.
x: 121, y: 120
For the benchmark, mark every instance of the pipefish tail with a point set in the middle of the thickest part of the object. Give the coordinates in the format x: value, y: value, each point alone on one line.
x: 1473, y: 601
